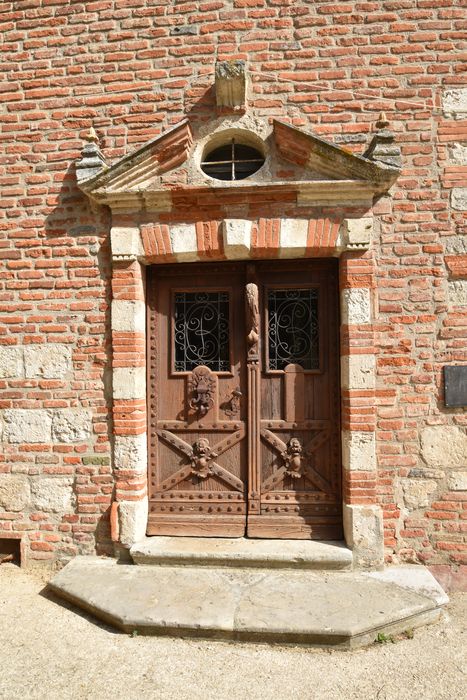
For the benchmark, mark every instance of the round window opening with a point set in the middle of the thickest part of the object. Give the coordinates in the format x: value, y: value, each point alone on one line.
x: 232, y: 161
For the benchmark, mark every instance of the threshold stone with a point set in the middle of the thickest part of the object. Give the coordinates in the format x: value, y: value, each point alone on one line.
x: 239, y: 551
x: 321, y: 608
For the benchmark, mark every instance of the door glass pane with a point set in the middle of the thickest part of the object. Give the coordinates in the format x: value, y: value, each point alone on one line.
x: 201, y: 331
x: 293, y: 332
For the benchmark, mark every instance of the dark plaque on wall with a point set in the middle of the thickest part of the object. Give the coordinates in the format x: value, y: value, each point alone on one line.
x: 455, y: 385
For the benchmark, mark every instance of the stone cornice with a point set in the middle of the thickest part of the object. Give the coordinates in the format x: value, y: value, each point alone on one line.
x: 302, y: 193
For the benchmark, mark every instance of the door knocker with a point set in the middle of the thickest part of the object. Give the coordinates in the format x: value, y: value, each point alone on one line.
x: 202, y: 386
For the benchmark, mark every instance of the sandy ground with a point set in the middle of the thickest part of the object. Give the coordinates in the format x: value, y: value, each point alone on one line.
x: 49, y: 650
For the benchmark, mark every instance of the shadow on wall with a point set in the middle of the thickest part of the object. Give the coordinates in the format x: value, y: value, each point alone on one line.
x: 76, y: 280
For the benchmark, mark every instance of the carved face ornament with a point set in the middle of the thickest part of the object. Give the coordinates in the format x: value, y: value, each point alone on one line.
x: 201, y: 457
x: 293, y: 458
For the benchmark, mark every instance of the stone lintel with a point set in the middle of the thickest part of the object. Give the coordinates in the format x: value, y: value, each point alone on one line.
x: 236, y: 235
x: 184, y: 242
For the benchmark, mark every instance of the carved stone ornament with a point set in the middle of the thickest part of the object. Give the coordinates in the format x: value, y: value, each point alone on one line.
x: 201, y: 457
x: 202, y: 388
x: 253, y: 317
x: 293, y: 457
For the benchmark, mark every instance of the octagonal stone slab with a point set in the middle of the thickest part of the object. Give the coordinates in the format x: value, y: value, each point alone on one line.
x: 345, y: 609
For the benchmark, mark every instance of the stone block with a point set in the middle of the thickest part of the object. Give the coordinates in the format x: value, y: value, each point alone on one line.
x: 444, y: 446
x: 53, y: 494
x: 455, y: 103
x: 230, y: 84
x: 126, y: 243
x: 14, y: 492
x: 418, y: 493
x: 459, y: 198
x: 47, y: 361
x: 358, y: 450
x: 358, y: 371
x: 356, y: 306
x: 458, y: 481
x: 131, y: 452
x: 11, y: 362
x: 458, y: 292
x: 358, y: 232
x: 132, y: 520
x: 363, y: 528
x: 129, y: 382
x: 458, y: 154
x: 27, y: 426
x: 237, y: 238
x: 128, y: 316
x: 293, y: 237
x: 71, y: 425
x: 184, y: 242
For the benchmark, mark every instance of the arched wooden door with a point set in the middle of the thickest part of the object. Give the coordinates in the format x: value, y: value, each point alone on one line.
x: 244, y: 400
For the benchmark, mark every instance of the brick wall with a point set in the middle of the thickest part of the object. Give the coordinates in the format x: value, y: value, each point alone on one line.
x: 133, y: 68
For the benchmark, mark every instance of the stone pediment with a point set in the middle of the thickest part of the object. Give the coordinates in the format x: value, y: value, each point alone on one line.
x: 299, y: 166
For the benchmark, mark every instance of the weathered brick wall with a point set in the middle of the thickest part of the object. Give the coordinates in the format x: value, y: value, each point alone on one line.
x: 134, y: 67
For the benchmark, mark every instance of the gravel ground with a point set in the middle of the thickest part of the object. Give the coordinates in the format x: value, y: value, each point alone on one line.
x: 49, y: 650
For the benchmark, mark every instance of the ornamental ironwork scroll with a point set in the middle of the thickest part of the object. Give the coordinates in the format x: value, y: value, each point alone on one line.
x: 293, y: 331
x: 201, y: 331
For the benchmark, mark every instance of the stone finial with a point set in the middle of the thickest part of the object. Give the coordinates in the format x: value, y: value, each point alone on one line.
x: 382, y: 122
x: 382, y: 147
x: 230, y: 81
x: 91, y: 136
x: 92, y: 161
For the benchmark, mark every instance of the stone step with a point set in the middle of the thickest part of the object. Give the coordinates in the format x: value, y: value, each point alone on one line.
x: 343, y: 609
x: 241, y: 552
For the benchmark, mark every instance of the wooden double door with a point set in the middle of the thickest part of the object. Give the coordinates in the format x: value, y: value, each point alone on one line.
x: 244, y: 400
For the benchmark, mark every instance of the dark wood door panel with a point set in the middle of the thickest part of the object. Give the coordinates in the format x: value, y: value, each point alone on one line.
x: 198, y: 441
x: 244, y: 435
x: 299, y: 413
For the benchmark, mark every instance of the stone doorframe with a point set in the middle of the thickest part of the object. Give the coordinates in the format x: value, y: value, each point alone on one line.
x: 135, y: 246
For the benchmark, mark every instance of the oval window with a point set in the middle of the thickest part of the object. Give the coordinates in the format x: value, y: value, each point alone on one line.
x: 232, y: 161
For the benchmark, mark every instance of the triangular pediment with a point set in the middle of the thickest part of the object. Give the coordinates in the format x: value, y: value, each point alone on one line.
x: 329, y: 160
x: 295, y: 160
